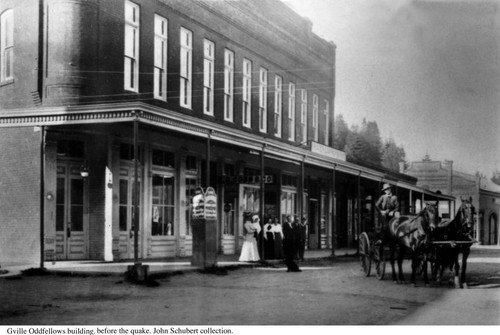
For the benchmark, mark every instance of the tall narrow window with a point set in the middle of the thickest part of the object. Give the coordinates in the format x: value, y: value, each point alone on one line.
x: 278, y: 105
x: 186, y: 65
x: 327, y: 122
x: 247, y: 92
x: 228, y: 85
x: 208, y: 77
x: 6, y: 45
x: 131, y: 46
x: 315, y: 115
x: 291, y: 112
x: 160, y: 67
x: 263, y: 100
x: 303, y: 116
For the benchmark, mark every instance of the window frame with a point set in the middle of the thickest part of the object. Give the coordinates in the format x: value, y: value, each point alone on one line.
x: 160, y: 57
x: 278, y: 105
x: 315, y: 117
x: 131, y: 73
x: 186, y: 66
x: 208, y: 76
x: 326, y: 112
x: 246, y: 95
x: 303, y: 116
x: 263, y: 77
x: 291, y: 111
x: 7, y: 45
x: 228, y: 85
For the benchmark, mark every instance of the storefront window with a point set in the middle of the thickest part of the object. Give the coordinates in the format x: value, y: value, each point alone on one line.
x: 251, y: 199
x: 162, y: 215
x: 288, y: 203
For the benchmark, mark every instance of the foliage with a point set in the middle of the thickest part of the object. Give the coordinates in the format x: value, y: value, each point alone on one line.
x: 392, y: 155
x: 341, y: 131
x: 363, y: 143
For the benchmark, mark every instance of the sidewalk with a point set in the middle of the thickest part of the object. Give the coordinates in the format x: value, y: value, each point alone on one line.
x: 90, y: 267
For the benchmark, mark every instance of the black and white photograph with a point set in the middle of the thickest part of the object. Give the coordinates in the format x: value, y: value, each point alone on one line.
x: 239, y: 166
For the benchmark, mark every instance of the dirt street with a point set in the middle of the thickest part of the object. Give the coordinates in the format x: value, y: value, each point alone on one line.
x: 323, y: 294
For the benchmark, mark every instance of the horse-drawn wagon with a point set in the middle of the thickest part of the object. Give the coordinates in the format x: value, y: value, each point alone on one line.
x: 424, y: 240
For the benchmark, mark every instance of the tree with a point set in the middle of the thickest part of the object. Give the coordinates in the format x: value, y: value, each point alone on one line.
x: 341, y: 131
x: 392, y: 155
x: 371, y: 134
x: 356, y: 147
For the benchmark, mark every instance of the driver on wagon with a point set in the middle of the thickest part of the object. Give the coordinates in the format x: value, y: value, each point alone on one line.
x: 388, y: 207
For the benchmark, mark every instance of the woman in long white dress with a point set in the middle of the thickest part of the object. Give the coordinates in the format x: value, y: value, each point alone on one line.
x: 249, y: 250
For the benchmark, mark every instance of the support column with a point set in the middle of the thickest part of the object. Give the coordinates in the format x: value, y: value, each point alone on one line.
x: 334, y: 209
x: 262, y: 199
x: 42, y: 196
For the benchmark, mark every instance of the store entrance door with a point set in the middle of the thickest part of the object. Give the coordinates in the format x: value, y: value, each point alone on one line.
x: 314, y: 233
x: 126, y: 214
x: 71, y: 221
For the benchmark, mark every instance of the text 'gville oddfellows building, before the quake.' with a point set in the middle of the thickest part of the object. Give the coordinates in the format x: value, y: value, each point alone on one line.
x: 99, y: 99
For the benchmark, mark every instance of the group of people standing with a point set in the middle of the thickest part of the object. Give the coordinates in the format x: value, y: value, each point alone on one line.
x: 280, y: 242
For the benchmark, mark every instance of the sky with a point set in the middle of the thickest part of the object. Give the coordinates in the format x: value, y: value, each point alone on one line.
x: 427, y: 71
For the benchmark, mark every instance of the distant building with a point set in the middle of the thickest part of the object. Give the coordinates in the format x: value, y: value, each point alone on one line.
x: 441, y: 177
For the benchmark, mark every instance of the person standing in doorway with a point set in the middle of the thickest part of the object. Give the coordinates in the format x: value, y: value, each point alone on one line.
x: 388, y: 207
x: 289, y: 244
x: 268, y: 235
x: 249, y: 250
x: 302, y: 230
x: 278, y: 239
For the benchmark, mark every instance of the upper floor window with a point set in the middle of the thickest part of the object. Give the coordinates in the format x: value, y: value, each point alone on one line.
x: 208, y: 77
x: 131, y: 46
x: 247, y: 92
x: 327, y: 122
x: 6, y: 45
x: 263, y: 100
x: 278, y: 104
x: 291, y: 111
x: 160, y: 66
x: 315, y: 114
x: 303, y: 116
x: 228, y: 84
x: 186, y: 66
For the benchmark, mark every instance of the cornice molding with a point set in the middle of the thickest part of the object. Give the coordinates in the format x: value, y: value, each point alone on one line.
x: 128, y: 112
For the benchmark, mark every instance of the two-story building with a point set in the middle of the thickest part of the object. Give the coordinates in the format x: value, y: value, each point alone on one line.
x: 113, y: 112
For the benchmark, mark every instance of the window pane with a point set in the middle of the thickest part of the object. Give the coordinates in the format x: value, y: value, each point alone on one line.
x: 77, y: 218
x: 77, y: 191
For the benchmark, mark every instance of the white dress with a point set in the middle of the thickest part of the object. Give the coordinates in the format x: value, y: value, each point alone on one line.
x: 249, y: 250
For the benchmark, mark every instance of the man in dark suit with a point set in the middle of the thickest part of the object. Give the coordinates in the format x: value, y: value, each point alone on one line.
x: 388, y: 207
x: 289, y: 244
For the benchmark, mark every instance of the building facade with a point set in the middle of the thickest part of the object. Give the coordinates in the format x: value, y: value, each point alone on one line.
x: 440, y: 176
x: 114, y: 112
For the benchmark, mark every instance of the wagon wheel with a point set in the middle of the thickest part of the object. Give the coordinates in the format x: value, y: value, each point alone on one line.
x: 379, y: 259
x: 364, y: 253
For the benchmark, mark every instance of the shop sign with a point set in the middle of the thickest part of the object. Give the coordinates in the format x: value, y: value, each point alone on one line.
x: 327, y: 151
x: 245, y: 179
x: 210, y: 204
x: 199, y: 206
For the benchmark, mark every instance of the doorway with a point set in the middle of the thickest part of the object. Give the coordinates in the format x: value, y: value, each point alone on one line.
x: 314, y: 231
x: 126, y: 214
x: 71, y: 220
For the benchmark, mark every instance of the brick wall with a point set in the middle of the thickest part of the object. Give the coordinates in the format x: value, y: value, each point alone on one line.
x: 19, y: 195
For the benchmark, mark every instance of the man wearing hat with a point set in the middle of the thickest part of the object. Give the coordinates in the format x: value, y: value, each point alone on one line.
x: 388, y: 207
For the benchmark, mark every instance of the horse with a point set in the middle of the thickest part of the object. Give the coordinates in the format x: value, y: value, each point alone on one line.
x: 411, y: 233
x: 457, y: 230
